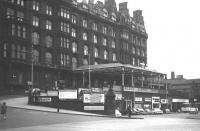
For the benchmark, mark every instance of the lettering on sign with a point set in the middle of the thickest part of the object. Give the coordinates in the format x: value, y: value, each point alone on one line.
x: 147, y: 99
x: 44, y: 99
x: 138, y: 98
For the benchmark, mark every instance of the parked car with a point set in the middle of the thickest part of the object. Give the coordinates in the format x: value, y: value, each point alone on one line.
x: 137, y: 111
x: 193, y: 110
x: 157, y: 111
x: 147, y: 112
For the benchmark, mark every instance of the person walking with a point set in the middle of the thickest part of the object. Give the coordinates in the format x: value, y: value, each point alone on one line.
x: 4, y: 110
x: 129, y: 111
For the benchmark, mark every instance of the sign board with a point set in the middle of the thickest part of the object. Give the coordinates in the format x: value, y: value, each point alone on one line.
x: 93, y: 98
x: 44, y: 99
x: 138, y: 98
x: 147, y: 99
x: 164, y: 101
x: 52, y: 93
x: 180, y: 100
x: 155, y: 99
x: 118, y: 96
x: 68, y: 94
x: 43, y: 94
x: 93, y: 107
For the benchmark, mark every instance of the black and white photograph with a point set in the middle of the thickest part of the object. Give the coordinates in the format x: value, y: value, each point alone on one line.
x: 99, y: 65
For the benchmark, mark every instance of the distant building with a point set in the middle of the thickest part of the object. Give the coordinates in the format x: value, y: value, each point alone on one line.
x: 183, y: 91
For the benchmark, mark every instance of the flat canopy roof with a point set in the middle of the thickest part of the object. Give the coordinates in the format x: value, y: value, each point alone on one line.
x: 117, y: 67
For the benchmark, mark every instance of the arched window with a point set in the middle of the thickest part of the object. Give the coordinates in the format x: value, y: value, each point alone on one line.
x: 74, y: 47
x: 105, y: 54
x: 48, y: 41
x: 114, y: 57
x: 96, y: 52
x: 74, y: 62
x: 85, y: 50
x: 48, y: 58
x: 35, y: 56
x: 138, y: 51
x: 35, y: 38
x: 113, y: 44
x: 133, y: 50
x: 133, y: 61
x: 95, y: 38
x: 85, y: 62
x: 104, y: 41
x: 84, y: 36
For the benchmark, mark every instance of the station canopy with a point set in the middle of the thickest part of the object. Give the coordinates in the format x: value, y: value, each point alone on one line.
x: 117, y: 68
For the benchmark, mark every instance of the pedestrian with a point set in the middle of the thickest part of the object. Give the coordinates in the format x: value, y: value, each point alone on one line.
x: 4, y: 110
x: 129, y: 111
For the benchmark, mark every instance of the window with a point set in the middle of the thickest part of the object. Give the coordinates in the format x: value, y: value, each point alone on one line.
x: 64, y: 59
x: 73, y: 32
x: 138, y: 62
x: 23, y: 53
x: 10, y: 13
x: 84, y: 36
x: 35, y: 21
x: 94, y: 26
x: 105, y: 54
x: 48, y: 41
x: 112, y: 32
x: 20, y: 2
x: 64, y: 13
x: 113, y: 44
x: 13, y: 30
x: 74, y: 62
x: 74, y: 47
x: 133, y: 50
x: 85, y: 49
x: 35, y: 5
x: 64, y: 42
x: 5, y: 50
x: 35, y: 38
x: 96, y: 52
x: 85, y: 62
x: 13, y: 51
x: 48, y: 25
x: 104, y: 30
x: 36, y: 56
x: 85, y: 23
x: 74, y: 19
x: 125, y: 35
x: 18, y: 52
x: 20, y: 16
x: 133, y: 61
x: 142, y: 53
x: 48, y: 10
x: 19, y: 31
x: 114, y: 57
x: 94, y: 38
x: 104, y: 41
x: 24, y: 32
x: 64, y: 27
x: 48, y: 58
x: 138, y: 51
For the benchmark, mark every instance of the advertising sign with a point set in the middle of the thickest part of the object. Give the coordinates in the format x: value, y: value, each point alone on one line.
x: 68, y: 94
x: 93, y: 107
x: 147, y: 99
x: 44, y: 99
x: 138, y: 98
x: 52, y: 93
x: 163, y: 101
x: 155, y: 99
x: 118, y: 96
x: 93, y: 98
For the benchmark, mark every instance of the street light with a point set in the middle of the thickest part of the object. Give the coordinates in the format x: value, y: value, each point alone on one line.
x: 89, y: 73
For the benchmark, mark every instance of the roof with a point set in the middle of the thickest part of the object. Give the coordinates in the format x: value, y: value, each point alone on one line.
x: 116, y: 67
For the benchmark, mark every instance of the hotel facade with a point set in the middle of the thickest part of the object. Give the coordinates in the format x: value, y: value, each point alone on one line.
x: 87, y: 45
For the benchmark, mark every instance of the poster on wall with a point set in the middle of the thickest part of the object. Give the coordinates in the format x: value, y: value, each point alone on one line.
x: 68, y: 94
x: 93, y: 98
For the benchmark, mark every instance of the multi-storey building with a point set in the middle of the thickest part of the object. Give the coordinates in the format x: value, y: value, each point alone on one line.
x: 42, y: 41
x: 60, y: 36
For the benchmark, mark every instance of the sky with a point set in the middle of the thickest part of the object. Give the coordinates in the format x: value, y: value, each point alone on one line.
x: 173, y: 27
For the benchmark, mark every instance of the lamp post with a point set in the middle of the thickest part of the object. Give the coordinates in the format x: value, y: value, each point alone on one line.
x: 32, y: 75
x: 89, y: 73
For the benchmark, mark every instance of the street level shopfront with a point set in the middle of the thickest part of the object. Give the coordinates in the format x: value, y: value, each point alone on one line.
x: 134, y: 86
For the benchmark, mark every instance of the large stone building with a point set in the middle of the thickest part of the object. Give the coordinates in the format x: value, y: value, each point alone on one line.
x: 62, y: 34
x: 42, y: 41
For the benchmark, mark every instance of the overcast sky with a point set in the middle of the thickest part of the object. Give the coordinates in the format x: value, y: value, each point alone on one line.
x: 173, y: 27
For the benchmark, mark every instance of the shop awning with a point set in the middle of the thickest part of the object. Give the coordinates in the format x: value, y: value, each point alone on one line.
x: 117, y: 67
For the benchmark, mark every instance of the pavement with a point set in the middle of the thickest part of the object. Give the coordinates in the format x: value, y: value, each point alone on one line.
x: 21, y: 102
